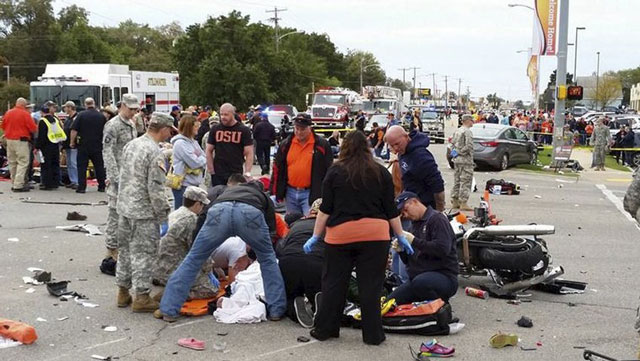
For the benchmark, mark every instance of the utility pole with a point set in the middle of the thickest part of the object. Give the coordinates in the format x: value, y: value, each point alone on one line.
x: 404, y: 70
x: 275, y: 19
x: 446, y: 94
x: 459, y: 96
x: 561, y: 76
x: 597, y: 79
x: 414, y: 80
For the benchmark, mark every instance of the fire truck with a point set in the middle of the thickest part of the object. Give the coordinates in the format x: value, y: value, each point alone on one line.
x: 333, y: 107
x: 105, y: 83
x: 382, y: 99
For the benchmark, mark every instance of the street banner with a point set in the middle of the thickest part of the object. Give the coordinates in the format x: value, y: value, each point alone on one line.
x: 545, y: 26
x: 532, y: 72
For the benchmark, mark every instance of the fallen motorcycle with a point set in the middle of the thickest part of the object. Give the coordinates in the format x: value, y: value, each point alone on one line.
x: 513, y: 256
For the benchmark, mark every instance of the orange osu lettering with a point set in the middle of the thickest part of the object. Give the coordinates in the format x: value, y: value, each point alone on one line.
x: 227, y: 136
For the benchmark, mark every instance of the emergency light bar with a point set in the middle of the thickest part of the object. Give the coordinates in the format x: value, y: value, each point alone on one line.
x: 63, y: 78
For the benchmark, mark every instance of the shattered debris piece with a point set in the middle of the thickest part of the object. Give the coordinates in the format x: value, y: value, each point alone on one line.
x: 86, y: 228
x: 98, y: 357
x: 7, y: 342
x: 40, y: 319
x: 537, y: 196
x: 84, y: 303
x: 34, y: 269
x: 525, y: 322
x: 42, y: 276
x: 13, y: 240
x: 514, y: 302
x: 30, y: 281
x: 303, y: 339
x: 62, y: 318
x: 110, y: 328
x: 30, y: 290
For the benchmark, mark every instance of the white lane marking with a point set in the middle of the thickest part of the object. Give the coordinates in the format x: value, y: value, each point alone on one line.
x: 90, y: 347
x: 283, y: 349
x: 617, y: 202
x: 188, y: 323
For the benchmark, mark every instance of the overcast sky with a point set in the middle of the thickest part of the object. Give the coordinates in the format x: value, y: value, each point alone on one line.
x: 475, y: 40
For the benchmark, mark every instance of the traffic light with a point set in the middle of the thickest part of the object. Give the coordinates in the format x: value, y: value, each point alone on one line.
x: 574, y: 92
x: 562, y: 92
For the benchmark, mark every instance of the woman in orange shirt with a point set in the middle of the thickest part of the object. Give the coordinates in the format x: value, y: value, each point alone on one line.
x: 356, y: 212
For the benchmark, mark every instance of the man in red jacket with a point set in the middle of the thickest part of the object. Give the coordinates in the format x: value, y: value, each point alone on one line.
x: 18, y: 128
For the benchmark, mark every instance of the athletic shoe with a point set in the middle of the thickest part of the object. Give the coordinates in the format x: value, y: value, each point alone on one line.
x: 303, y: 310
x: 500, y: 340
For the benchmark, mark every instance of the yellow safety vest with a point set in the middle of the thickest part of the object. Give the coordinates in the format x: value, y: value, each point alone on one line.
x: 55, y: 132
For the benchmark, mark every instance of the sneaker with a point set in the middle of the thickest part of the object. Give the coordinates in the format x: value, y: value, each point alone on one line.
x: 318, y: 299
x: 500, y: 340
x: 434, y: 349
x: 75, y: 216
x: 303, y: 310
x: 20, y: 190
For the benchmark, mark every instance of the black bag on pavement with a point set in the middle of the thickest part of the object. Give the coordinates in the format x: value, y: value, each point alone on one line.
x: 500, y: 186
x: 108, y: 266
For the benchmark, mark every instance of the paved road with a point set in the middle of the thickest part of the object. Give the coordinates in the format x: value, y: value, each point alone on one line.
x: 594, y: 242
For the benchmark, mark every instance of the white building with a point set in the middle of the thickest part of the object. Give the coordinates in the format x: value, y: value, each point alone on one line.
x: 589, y: 85
x: 635, y: 97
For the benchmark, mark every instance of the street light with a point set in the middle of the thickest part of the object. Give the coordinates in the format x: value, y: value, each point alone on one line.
x: 521, y: 5
x: 575, y: 56
x: 8, y: 67
x: 282, y: 36
x: 363, y: 68
x: 597, y: 77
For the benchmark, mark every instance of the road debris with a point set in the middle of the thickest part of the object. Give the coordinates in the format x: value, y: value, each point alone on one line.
x: 62, y: 318
x: 525, y: 322
x: 86, y: 228
x: 110, y: 328
x: 40, y: 319
x: 75, y: 216
x: 30, y: 290
x: 13, y: 239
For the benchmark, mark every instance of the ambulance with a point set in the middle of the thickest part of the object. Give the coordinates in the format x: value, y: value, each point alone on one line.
x: 105, y: 83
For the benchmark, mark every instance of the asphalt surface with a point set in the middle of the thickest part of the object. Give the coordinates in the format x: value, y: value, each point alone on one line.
x: 594, y: 242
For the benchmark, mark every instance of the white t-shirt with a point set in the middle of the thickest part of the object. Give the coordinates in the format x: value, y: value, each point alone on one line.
x: 229, y: 252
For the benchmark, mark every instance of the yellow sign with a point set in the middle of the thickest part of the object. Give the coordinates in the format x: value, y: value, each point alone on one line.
x: 157, y: 82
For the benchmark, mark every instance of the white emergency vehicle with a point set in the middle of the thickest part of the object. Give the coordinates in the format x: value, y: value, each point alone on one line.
x: 105, y: 83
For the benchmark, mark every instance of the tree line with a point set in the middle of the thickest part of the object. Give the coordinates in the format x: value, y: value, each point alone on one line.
x: 225, y: 58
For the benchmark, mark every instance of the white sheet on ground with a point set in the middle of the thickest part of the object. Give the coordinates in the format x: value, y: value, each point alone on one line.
x: 7, y: 342
x: 243, y: 306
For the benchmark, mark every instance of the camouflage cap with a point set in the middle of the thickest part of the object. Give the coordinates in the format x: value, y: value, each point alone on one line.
x: 196, y: 194
x: 130, y: 101
x: 162, y: 120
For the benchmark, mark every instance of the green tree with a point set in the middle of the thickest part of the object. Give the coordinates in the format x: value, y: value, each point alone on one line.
x: 371, y: 75
x: 9, y: 93
x: 609, y: 88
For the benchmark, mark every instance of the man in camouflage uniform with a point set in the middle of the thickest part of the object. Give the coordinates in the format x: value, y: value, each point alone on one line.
x: 463, y: 164
x: 175, y: 245
x: 118, y: 131
x: 600, y: 139
x: 142, y: 207
x: 632, y: 205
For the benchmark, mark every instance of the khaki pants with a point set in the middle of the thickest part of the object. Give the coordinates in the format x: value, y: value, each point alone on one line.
x: 18, y: 154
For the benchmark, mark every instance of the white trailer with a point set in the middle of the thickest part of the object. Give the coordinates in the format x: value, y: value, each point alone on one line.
x: 105, y: 83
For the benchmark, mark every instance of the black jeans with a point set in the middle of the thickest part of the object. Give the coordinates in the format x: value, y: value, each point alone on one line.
x: 95, y: 155
x: 302, y: 276
x: 217, y: 180
x: 263, y: 152
x: 425, y: 287
x: 370, y: 260
x: 50, y: 169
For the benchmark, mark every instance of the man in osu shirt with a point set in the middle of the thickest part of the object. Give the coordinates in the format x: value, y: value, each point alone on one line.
x: 229, y: 146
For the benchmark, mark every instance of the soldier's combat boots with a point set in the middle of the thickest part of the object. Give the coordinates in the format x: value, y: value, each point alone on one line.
x: 455, y: 203
x: 158, y: 296
x: 144, y: 303
x: 124, y: 298
x: 465, y: 207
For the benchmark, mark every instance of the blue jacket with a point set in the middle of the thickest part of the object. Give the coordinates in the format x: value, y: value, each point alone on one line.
x: 420, y: 172
x: 188, y: 154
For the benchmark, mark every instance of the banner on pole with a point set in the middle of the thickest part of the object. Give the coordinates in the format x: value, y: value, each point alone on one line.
x: 532, y: 72
x: 545, y: 27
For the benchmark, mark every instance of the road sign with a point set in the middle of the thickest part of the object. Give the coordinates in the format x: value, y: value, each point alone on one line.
x: 574, y: 92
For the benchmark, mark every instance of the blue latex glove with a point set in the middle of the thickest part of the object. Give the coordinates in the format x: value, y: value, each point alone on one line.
x: 214, y: 280
x: 454, y: 153
x: 164, y: 227
x: 309, y: 244
x: 406, y: 246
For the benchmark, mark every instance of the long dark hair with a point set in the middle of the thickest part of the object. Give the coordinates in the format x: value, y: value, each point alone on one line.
x: 357, y: 160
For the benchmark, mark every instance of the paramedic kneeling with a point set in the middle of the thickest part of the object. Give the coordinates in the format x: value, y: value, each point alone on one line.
x: 433, y: 268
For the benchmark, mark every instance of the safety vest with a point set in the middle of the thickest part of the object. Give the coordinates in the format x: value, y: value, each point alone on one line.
x: 55, y: 132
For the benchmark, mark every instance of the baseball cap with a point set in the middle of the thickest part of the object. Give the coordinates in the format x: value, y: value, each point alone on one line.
x: 130, y: 101
x: 69, y: 103
x: 264, y: 116
x: 50, y: 103
x: 196, y: 194
x: 162, y: 119
x: 302, y: 119
x: 175, y: 108
x: 403, y: 198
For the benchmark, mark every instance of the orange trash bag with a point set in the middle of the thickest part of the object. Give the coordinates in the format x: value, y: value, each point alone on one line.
x: 17, y: 331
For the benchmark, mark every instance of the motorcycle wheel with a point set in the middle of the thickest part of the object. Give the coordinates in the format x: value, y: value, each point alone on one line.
x: 523, y: 260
